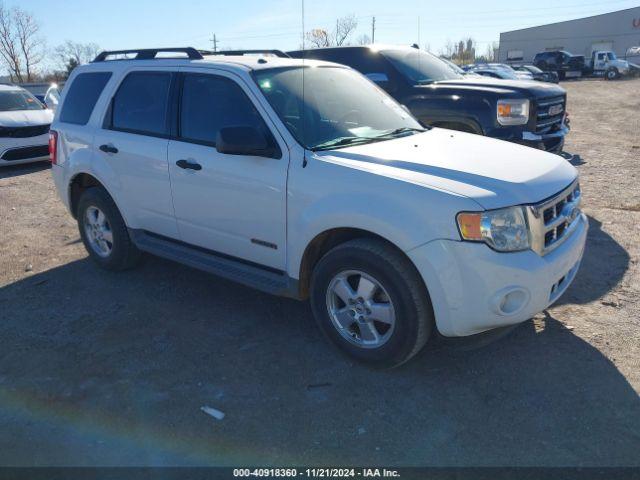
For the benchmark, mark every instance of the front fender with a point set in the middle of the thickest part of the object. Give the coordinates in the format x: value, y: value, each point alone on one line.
x: 326, y: 196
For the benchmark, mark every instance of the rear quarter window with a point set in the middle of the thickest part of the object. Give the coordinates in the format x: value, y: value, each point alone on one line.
x: 82, y: 97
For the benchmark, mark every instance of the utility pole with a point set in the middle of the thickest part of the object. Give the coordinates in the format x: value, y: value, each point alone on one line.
x: 214, y: 42
x: 373, y: 30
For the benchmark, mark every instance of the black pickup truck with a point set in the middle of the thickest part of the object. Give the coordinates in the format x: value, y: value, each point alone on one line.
x: 565, y: 64
x: 437, y: 94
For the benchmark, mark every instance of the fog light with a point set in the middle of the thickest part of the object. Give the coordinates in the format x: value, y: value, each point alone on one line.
x: 510, y: 301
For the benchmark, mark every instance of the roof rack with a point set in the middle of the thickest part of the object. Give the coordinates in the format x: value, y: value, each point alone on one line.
x: 275, y: 53
x: 150, y: 53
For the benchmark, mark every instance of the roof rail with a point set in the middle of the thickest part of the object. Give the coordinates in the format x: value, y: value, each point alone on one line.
x: 275, y: 53
x: 150, y: 53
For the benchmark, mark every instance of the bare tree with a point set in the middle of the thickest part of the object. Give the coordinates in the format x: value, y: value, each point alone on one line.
x: 21, y: 49
x: 318, y: 37
x: 9, y: 49
x: 363, y: 39
x: 321, y: 37
x: 448, y: 50
x: 345, y: 26
x: 71, y: 54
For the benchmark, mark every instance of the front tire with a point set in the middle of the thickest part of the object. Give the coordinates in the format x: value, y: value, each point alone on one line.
x: 611, y: 74
x: 104, y: 232
x: 370, y: 301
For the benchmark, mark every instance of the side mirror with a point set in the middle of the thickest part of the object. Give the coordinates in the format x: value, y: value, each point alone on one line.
x: 244, y: 140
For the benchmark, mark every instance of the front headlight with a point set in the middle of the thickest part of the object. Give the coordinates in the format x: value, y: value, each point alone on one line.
x: 504, y: 230
x: 513, y: 111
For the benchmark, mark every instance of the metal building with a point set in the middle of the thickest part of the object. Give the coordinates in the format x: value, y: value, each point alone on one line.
x: 616, y: 31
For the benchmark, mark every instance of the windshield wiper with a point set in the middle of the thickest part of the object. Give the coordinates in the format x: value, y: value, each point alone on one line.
x: 400, y: 131
x: 343, y: 142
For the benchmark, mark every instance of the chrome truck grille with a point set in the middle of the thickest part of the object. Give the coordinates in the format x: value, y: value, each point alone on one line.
x: 552, y: 221
x: 549, y: 113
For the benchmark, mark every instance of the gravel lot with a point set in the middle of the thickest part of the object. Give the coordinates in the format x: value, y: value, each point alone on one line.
x: 98, y: 368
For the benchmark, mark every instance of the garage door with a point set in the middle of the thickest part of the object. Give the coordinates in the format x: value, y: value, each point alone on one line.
x: 601, y: 47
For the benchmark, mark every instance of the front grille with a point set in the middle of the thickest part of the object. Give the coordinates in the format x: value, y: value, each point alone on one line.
x: 551, y: 221
x: 24, y: 153
x: 24, y: 132
x: 549, y: 114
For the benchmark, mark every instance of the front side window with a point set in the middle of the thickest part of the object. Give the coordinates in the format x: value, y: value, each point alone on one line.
x: 337, y: 106
x: 16, y: 100
x: 141, y: 103
x: 82, y: 97
x: 420, y: 67
x: 211, y: 102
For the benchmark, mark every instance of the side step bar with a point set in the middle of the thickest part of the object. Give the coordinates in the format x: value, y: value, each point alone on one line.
x: 264, y: 279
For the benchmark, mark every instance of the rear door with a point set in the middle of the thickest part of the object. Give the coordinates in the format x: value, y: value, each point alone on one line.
x: 232, y: 204
x: 133, y: 142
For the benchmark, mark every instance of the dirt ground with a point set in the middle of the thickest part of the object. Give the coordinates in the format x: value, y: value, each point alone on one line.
x: 99, y: 368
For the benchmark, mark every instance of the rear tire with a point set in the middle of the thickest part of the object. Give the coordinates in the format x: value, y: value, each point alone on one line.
x: 371, y: 302
x: 104, y: 232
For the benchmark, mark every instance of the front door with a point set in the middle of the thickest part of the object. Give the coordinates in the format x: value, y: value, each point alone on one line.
x: 230, y: 204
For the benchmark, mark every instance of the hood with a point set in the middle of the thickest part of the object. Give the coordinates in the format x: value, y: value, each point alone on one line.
x: 492, y: 172
x: 529, y: 88
x: 26, y: 118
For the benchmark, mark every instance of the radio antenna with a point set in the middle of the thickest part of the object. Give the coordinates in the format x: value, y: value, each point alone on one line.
x: 304, y: 104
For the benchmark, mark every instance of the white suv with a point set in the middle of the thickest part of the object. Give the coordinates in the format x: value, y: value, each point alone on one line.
x: 304, y: 179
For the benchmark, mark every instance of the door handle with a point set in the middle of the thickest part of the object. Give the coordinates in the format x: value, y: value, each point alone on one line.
x: 108, y: 148
x: 189, y: 165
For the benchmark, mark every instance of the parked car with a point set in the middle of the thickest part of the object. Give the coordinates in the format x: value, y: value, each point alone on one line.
x: 520, y: 74
x: 529, y: 113
x: 536, y: 73
x: 47, y: 93
x: 565, y: 64
x: 314, y: 183
x: 24, y: 127
x: 606, y: 63
x: 494, y: 72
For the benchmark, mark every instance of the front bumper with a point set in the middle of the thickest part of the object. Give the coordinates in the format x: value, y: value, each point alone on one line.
x: 474, y: 288
x: 551, y: 142
x: 14, y: 151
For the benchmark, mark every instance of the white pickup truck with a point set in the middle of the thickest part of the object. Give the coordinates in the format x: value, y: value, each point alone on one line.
x: 303, y: 178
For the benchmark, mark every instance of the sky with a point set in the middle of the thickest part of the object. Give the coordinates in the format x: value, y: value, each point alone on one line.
x: 121, y: 24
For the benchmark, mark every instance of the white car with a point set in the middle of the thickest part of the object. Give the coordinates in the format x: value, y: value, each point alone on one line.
x: 24, y: 127
x: 304, y: 179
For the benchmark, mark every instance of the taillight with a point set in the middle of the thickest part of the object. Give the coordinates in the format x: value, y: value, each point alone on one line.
x: 53, y: 147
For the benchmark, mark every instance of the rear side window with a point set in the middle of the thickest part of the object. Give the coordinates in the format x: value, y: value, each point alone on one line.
x: 141, y: 103
x: 210, y: 103
x: 82, y: 97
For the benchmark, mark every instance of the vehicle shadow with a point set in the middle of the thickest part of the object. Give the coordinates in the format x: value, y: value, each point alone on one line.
x: 100, y: 368
x: 603, y: 266
x: 573, y: 158
x: 17, y: 170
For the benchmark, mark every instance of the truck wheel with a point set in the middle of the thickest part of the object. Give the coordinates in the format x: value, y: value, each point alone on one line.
x: 104, y: 232
x: 371, y: 302
x: 611, y: 74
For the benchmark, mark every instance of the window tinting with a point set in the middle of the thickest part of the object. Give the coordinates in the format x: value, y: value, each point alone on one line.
x: 140, y: 105
x: 15, y: 100
x: 210, y: 103
x: 82, y: 97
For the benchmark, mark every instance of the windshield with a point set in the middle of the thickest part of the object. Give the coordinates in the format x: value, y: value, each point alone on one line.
x: 611, y: 55
x: 14, y: 100
x: 420, y: 66
x: 340, y: 107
